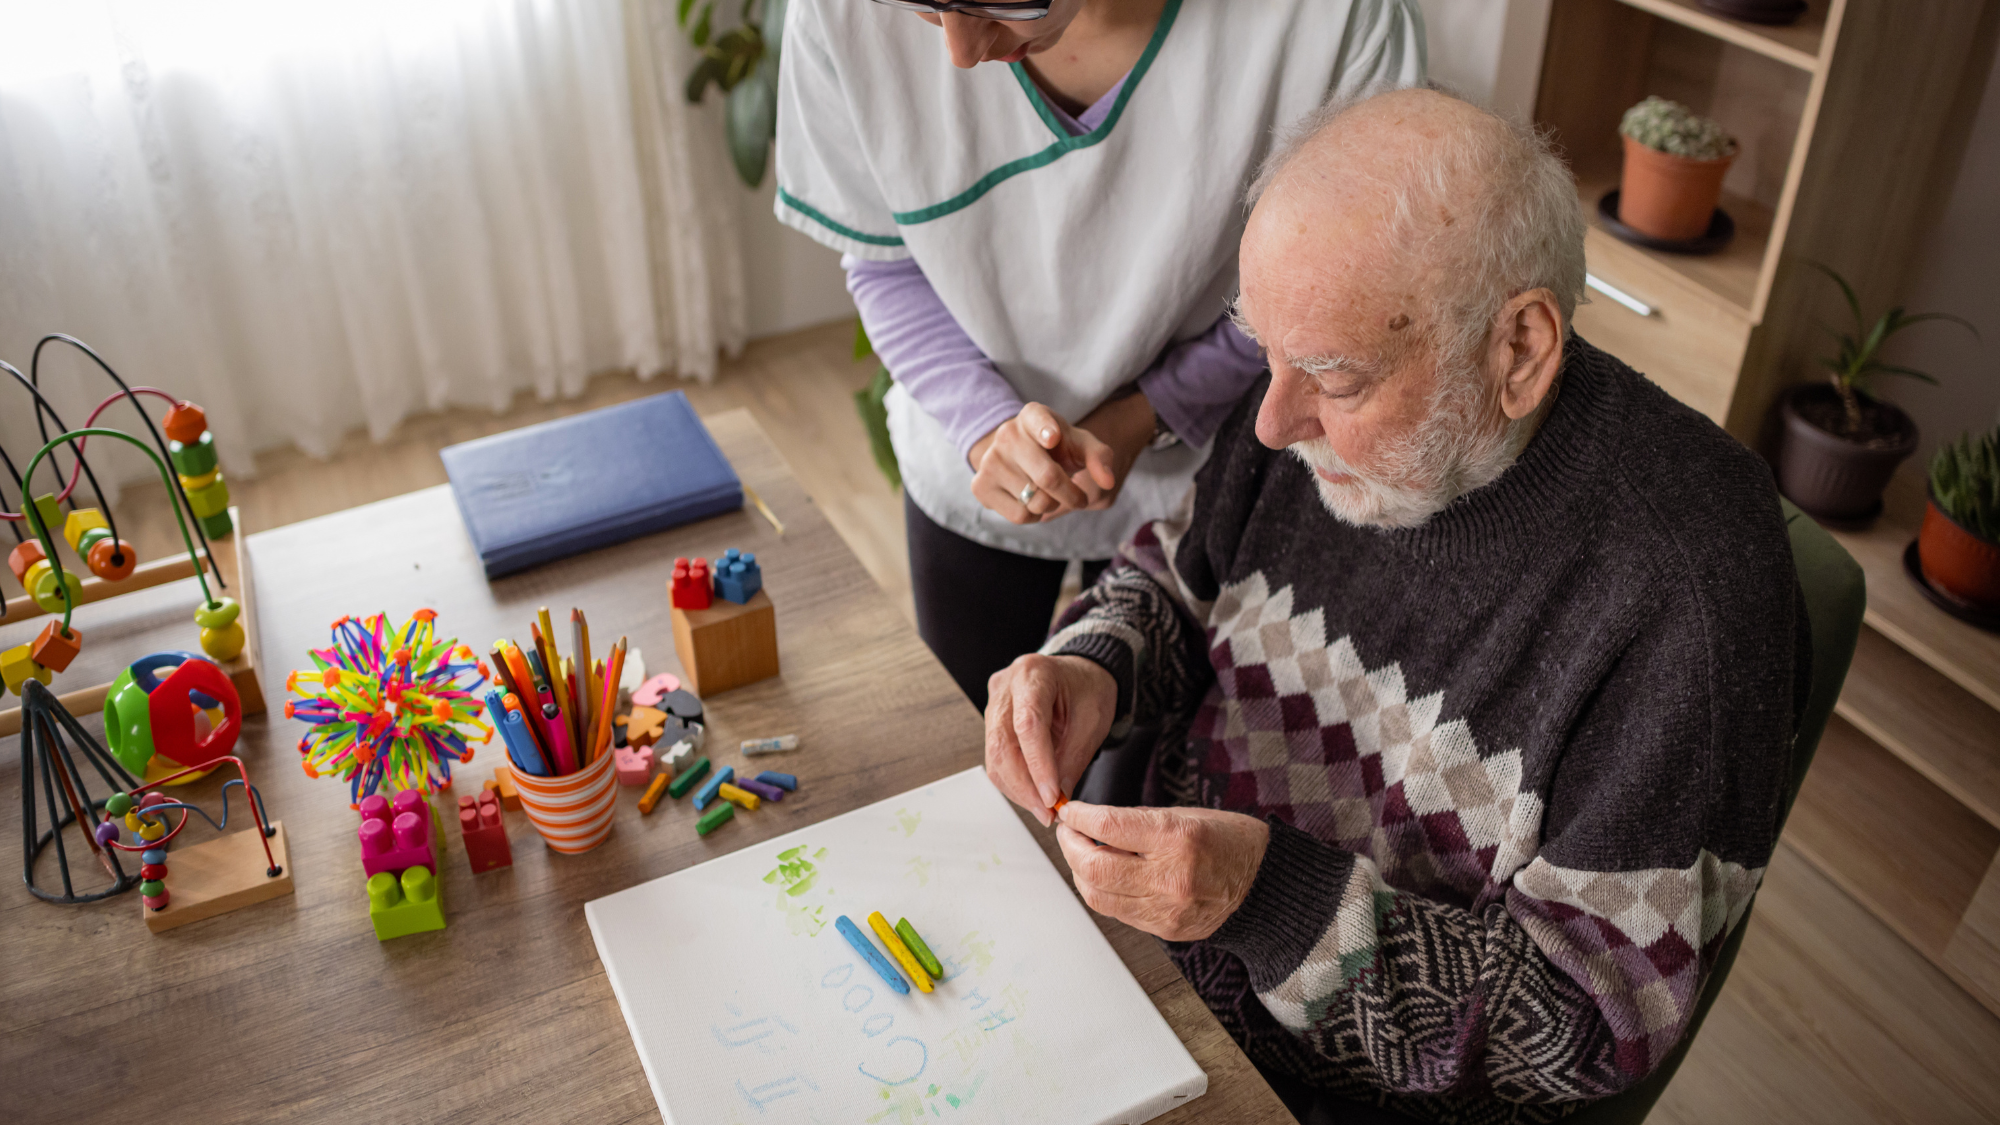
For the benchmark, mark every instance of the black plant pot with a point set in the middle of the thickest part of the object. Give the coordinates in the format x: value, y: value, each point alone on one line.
x: 1832, y: 477
x: 1758, y: 11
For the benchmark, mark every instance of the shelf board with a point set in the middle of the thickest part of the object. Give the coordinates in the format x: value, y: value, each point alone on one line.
x: 1967, y: 656
x: 1926, y: 720
x: 1797, y: 44
x: 1900, y: 845
x: 1729, y: 276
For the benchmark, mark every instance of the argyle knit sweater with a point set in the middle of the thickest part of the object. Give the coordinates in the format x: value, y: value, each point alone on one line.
x: 1523, y: 766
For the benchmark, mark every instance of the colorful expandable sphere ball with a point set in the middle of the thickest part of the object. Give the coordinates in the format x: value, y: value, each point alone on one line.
x: 147, y: 714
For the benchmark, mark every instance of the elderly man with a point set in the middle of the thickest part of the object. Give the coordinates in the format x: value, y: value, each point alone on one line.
x: 1477, y: 706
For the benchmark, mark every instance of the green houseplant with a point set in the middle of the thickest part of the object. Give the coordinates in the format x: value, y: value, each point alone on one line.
x: 1675, y: 160
x: 1840, y: 443
x: 1958, y: 545
x: 743, y: 63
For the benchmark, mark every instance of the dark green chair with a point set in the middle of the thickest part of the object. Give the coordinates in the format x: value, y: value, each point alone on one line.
x: 1836, y: 596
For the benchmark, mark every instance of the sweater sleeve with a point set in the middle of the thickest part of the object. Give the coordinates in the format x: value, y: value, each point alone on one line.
x: 1572, y: 977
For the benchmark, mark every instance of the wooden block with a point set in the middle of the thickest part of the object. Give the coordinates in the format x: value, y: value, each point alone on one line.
x: 727, y: 645
x: 219, y: 876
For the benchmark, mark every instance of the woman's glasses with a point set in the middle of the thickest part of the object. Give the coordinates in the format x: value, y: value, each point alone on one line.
x: 1027, y: 10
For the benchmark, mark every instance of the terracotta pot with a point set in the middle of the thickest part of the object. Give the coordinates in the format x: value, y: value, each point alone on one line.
x: 1830, y: 476
x: 1667, y: 196
x: 1956, y: 562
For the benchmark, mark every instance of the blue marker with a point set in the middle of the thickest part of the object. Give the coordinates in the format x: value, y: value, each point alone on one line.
x: 872, y: 955
x: 783, y: 781
x: 521, y: 749
x: 708, y: 792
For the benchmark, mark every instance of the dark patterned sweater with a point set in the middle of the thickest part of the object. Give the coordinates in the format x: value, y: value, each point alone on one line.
x: 1523, y: 765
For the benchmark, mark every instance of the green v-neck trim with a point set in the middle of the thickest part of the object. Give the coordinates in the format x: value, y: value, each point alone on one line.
x: 1065, y: 145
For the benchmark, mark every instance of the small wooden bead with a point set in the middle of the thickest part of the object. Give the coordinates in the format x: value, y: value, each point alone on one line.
x: 151, y: 888
x: 185, y: 422
x: 155, y: 902
x: 193, y: 458
x: 153, y: 855
x: 47, y: 590
x: 26, y: 554
x: 55, y: 647
x: 153, y: 871
x: 49, y: 510
x: 118, y: 804
x: 107, y: 831
x: 210, y: 499
x: 80, y: 521
x: 112, y: 559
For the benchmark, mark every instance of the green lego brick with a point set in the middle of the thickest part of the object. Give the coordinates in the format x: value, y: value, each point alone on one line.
x: 218, y: 526
x: 412, y: 904
x: 209, y: 501
x: 193, y: 460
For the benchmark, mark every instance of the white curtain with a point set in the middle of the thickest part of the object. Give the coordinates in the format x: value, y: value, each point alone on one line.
x: 317, y: 215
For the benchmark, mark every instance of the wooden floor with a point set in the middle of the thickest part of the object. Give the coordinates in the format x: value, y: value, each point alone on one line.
x: 1829, y: 1017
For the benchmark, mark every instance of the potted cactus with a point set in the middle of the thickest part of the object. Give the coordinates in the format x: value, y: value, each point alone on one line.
x: 1958, y: 545
x: 1674, y: 163
x: 1840, y: 443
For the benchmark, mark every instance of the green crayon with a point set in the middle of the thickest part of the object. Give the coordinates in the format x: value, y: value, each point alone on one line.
x: 923, y: 952
x: 686, y: 781
x: 715, y: 818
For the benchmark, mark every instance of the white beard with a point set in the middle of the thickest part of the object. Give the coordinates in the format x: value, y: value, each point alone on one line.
x: 1418, y: 475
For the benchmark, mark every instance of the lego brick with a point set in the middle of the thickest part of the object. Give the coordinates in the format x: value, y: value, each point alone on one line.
x: 193, y: 458
x: 220, y: 875
x: 410, y: 904
x: 53, y: 649
x: 503, y: 782
x: 210, y: 501
x: 690, y: 586
x: 737, y: 576
x: 80, y: 521
x: 727, y: 645
x: 218, y: 526
x: 396, y: 835
x: 484, y: 832
x: 634, y: 764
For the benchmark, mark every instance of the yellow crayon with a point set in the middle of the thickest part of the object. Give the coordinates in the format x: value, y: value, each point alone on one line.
x: 899, y: 951
x: 737, y: 796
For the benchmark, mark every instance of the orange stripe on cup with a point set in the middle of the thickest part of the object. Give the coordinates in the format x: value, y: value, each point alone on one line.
x: 573, y: 813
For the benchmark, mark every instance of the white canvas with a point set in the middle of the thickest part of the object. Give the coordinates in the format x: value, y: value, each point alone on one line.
x: 747, y: 1006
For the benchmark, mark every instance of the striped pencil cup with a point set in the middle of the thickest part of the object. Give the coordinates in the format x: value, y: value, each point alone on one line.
x: 573, y: 813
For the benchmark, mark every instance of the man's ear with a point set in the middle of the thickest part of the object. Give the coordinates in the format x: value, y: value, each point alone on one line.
x: 1528, y: 351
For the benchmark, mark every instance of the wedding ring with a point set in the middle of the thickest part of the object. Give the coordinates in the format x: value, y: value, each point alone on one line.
x: 1027, y: 494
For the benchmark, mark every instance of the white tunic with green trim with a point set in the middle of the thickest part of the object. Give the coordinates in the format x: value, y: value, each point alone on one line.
x: 1072, y: 262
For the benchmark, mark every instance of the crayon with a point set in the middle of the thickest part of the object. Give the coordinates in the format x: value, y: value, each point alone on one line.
x: 767, y: 792
x: 714, y: 787
x: 736, y: 796
x: 652, y: 796
x: 686, y: 781
x: 916, y: 943
x: 899, y: 951
x: 870, y: 954
x: 783, y: 781
x: 714, y: 818
x: 752, y: 746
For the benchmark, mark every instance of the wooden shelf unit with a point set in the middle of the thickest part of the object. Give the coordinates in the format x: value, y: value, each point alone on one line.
x: 1840, y: 118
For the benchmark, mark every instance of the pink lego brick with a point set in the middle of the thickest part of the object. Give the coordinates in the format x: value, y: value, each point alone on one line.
x: 396, y: 836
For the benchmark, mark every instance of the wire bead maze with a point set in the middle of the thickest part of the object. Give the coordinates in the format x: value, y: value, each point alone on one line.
x: 197, y: 491
x: 46, y: 756
x: 388, y: 705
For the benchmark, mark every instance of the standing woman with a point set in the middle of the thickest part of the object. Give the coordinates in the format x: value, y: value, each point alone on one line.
x: 1039, y: 203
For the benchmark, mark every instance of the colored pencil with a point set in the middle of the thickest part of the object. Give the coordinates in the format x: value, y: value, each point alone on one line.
x: 587, y: 713
x: 609, y: 699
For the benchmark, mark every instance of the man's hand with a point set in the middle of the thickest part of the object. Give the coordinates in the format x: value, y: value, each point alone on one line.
x: 1177, y: 874
x: 1125, y: 426
x: 1069, y: 466
x: 1045, y: 718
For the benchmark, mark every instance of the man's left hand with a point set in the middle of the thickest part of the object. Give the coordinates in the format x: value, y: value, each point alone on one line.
x: 1177, y: 874
x: 1126, y: 425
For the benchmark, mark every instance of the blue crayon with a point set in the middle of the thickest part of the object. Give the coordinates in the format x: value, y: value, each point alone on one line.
x: 708, y: 792
x: 872, y: 955
x: 783, y: 781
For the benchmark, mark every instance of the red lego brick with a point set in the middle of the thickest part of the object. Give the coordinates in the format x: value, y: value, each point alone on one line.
x: 486, y: 847
x: 692, y: 587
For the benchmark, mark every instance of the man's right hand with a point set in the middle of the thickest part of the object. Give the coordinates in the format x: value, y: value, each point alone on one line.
x: 1045, y: 718
x: 1069, y: 466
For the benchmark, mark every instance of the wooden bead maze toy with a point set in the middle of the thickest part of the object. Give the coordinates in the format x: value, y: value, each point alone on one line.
x: 52, y: 587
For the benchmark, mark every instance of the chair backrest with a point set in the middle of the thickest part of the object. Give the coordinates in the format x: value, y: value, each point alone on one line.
x: 1836, y: 596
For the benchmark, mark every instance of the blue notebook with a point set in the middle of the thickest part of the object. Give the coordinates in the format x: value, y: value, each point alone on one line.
x: 575, y: 484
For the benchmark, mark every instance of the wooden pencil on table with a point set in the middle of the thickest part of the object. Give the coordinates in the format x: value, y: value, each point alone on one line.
x: 610, y: 696
x: 587, y: 711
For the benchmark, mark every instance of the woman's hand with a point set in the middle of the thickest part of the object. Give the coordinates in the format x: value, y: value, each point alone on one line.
x: 1069, y: 467
x: 1045, y: 718
x: 1125, y: 426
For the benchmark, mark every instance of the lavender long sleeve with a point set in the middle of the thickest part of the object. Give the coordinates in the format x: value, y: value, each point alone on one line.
x: 1191, y: 387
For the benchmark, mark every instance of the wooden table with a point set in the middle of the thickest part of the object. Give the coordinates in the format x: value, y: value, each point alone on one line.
x: 291, y: 1009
